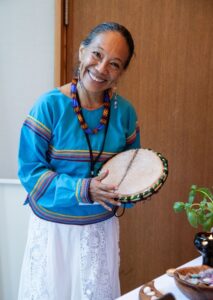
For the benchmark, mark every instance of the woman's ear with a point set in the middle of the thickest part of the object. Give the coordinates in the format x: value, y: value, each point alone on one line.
x: 80, y: 52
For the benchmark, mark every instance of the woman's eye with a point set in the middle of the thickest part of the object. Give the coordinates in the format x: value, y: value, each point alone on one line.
x: 115, y: 65
x: 96, y: 54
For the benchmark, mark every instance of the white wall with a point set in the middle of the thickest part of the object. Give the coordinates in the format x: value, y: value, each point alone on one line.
x: 13, y: 232
x: 26, y: 71
x: 26, y: 68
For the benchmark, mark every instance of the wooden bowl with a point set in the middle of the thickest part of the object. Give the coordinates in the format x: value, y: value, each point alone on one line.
x: 192, y: 291
x: 151, y: 285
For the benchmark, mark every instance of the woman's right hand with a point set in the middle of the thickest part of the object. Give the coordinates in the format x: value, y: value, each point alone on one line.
x: 103, y: 193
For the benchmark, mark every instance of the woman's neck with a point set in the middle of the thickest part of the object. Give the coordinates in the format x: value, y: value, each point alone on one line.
x: 89, y: 100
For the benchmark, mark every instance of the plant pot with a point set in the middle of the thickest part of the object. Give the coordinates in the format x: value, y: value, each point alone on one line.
x: 203, y: 241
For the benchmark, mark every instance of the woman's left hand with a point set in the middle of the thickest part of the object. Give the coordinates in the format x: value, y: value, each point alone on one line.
x: 103, y: 193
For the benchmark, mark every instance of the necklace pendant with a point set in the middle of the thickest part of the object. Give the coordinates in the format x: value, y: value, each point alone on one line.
x: 115, y: 104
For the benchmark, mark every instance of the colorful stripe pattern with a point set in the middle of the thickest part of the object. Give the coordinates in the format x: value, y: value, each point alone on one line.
x: 48, y: 215
x: 41, y: 185
x: 82, y: 192
x: 77, y: 155
x: 82, y: 189
x: 130, y: 139
x: 38, y: 127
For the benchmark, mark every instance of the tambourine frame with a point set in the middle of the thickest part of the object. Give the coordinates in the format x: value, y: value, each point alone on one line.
x: 142, y: 195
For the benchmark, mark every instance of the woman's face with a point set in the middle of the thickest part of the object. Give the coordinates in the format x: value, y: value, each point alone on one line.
x: 102, y: 62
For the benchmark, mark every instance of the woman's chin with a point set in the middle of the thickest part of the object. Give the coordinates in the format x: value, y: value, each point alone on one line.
x: 93, y: 86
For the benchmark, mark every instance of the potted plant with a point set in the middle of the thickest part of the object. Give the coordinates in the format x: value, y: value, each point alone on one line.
x: 200, y: 213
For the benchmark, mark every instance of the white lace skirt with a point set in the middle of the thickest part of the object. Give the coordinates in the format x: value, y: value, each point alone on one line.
x: 70, y: 262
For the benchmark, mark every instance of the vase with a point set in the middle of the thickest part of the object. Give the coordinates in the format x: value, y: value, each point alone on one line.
x: 203, y: 241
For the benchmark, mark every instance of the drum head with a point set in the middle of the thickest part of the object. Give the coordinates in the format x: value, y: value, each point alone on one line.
x: 138, y: 173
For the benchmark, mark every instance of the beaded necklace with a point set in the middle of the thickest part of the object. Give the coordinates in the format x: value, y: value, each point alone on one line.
x: 77, y: 109
x: 104, y: 121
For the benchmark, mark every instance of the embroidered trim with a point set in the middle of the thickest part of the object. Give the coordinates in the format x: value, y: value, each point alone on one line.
x: 48, y: 215
x: 38, y: 127
x: 77, y: 155
x: 42, y: 184
x: 82, y: 190
x: 85, y: 191
x: 78, y: 185
x: 137, y: 127
x: 130, y: 139
x: 52, y: 216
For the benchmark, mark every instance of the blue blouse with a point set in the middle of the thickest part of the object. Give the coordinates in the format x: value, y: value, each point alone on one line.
x: 54, y: 158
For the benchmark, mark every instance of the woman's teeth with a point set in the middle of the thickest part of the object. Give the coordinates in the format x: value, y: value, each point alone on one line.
x: 95, y: 78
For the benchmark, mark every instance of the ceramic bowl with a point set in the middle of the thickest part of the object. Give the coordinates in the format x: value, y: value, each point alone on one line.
x: 192, y: 291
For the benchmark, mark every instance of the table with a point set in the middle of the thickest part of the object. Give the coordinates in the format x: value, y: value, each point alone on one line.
x: 165, y: 284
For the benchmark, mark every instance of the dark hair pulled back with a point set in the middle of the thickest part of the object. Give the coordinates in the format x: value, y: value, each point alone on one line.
x: 111, y: 26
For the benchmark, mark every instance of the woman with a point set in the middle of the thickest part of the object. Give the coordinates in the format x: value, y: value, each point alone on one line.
x: 70, y: 132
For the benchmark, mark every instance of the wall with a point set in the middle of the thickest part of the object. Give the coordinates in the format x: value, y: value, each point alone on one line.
x: 13, y: 232
x: 26, y: 71
x: 27, y: 68
x: 170, y: 83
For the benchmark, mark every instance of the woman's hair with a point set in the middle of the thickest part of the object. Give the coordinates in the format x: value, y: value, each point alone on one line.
x: 111, y: 26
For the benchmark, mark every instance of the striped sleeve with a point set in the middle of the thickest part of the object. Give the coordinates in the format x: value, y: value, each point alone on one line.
x: 133, y: 130
x: 44, y: 185
x: 37, y: 127
x: 82, y: 191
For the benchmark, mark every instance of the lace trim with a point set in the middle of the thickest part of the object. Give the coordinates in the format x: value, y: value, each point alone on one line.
x: 94, y: 270
x: 35, y: 283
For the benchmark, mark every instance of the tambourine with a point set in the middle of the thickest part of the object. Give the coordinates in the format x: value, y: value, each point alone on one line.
x: 138, y: 173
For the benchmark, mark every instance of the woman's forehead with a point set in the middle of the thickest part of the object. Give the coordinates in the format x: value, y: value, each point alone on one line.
x: 111, y: 42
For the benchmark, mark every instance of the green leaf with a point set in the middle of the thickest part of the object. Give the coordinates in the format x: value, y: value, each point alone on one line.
x: 192, y: 195
x: 205, y: 191
x: 192, y: 218
x: 201, y: 218
x: 208, y: 224
x: 209, y: 215
x: 188, y: 205
x: 203, y: 203
x: 210, y: 206
x: 178, y: 206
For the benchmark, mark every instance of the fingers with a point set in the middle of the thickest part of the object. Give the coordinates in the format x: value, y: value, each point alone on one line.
x: 109, y: 198
x: 102, y: 175
x: 106, y: 187
x: 105, y: 198
x: 105, y: 205
x: 103, y: 194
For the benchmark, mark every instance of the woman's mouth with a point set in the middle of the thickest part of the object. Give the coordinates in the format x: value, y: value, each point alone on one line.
x: 93, y: 77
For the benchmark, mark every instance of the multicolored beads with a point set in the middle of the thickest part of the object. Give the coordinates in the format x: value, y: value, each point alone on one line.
x: 78, y: 110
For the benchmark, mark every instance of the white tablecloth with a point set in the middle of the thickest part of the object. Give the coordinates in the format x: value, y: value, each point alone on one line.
x: 165, y: 284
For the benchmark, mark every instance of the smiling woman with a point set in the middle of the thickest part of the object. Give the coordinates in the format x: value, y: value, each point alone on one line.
x: 68, y: 135
x: 102, y: 63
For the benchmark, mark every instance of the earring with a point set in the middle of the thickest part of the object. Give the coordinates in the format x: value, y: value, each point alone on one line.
x: 115, y: 97
x: 78, y: 74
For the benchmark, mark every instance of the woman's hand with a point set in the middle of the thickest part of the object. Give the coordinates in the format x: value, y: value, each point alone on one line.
x: 103, y: 193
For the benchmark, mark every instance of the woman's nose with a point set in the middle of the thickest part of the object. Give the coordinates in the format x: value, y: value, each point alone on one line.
x: 101, y: 67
